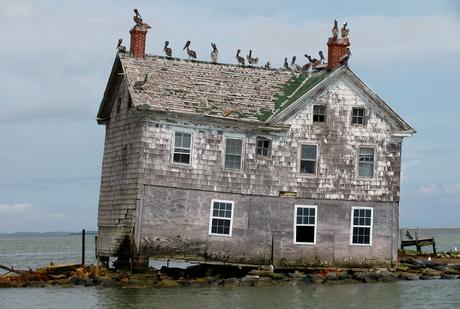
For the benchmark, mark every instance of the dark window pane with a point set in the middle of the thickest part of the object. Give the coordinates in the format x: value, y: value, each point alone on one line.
x: 220, y: 226
x: 308, y: 152
x: 307, y: 167
x: 305, y: 234
x: 319, y: 113
x: 181, y: 158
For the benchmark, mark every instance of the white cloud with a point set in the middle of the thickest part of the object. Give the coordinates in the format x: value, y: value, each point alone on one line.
x: 6, y: 209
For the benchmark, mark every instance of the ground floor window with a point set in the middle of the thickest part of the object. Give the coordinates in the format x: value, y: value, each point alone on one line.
x: 221, y: 217
x: 305, y: 224
x: 361, y: 225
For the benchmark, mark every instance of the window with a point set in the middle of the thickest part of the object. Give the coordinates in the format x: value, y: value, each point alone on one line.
x: 305, y: 224
x: 357, y: 116
x: 319, y: 113
x: 182, y: 147
x: 308, y: 156
x: 366, y: 162
x: 118, y: 105
x: 233, y: 148
x: 221, y: 218
x: 263, y: 146
x: 361, y: 226
x: 130, y: 102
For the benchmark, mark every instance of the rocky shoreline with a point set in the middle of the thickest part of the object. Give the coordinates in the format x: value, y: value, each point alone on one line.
x: 228, y: 276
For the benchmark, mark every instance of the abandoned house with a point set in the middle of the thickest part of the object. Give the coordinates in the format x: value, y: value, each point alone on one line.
x: 216, y: 162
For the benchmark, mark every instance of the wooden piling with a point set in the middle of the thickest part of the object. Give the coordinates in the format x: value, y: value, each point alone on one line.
x: 83, y: 247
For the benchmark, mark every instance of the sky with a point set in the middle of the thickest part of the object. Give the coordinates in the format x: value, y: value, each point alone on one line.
x: 56, y: 57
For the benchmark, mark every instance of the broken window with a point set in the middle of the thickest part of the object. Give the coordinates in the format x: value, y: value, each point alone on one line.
x: 263, y: 146
x: 366, y: 162
x: 182, y: 147
x: 308, y: 155
x: 221, y: 218
x: 361, y: 226
x: 357, y: 116
x: 319, y: 113
x: 233, y: 148
x: 305, y: 224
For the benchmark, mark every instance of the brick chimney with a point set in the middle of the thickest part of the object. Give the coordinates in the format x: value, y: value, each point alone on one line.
x: 138, y: 38
x: 337, y: 48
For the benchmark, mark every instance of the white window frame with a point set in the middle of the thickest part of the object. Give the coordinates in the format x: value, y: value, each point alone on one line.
x: 243, y: 151
x: 295, y: 224
x: 299, y: 160
x: 174, y: 146
x: 353, y: 208
x: 224, y: 218
x: 374, y: 165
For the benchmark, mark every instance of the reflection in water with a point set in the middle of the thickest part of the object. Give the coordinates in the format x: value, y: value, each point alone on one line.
x: 413, y: 294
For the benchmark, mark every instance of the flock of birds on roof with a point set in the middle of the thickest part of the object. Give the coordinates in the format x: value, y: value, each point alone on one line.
x: 313, y: 63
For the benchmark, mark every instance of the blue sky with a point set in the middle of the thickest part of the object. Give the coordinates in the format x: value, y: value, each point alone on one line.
x: 56, y: 57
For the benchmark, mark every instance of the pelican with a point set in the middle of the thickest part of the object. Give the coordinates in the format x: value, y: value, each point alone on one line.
x: 409, y: 235
x: 214, y: 53
x: 267, y: 65
x: 306, y: 67
x: 344, y: 31
x: 137, y: 13
x: 239, y: 58
x: 294, y: 66
x: 138, y: 20
x: 250, y: 59
x: 335, y: 30
x: 286, y: 64
x: 190, y: 53
x: 140, y: 83
x: 321, y: 56
x: 167, y: 50
x: 344, y: 59
x: 120, y: 47
x: 321, y: 63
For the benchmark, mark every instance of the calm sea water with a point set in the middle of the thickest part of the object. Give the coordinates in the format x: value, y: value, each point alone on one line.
x: 35, y: 250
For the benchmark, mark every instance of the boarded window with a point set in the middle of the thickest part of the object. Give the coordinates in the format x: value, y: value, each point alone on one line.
x: 357, y: 116
x: 319, y: 113
x: 366, y: 162
x: 305, y: 224
x: 221, y: 217
x: 263, y: 147
x: 182, y: 147
x: 308, y: 156
x: 233, y: 148
x: 361, y: 226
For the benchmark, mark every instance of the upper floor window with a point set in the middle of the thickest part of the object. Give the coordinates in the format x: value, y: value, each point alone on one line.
x: 319, y: 113
x: 233, y: 150
x: 263, y: 146
x: 118, y: 105
x: 130, y: 102
x: 366, y: 162
x: 308, y: 158
x: 182, y: 147
x: 361, y: 226
x: 305, y: 224
x: 357, y: 116
x: 221, y: 218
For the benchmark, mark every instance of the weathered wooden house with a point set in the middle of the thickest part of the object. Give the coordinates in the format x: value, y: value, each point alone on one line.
x: 248, y: 165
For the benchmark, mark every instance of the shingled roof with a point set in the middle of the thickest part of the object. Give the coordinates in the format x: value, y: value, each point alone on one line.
x: 204, y: 88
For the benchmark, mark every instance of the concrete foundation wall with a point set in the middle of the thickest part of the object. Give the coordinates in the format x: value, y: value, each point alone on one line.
x: 175, y: 224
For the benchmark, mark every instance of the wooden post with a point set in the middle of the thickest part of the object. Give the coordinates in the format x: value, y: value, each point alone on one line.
x: 83, y: 247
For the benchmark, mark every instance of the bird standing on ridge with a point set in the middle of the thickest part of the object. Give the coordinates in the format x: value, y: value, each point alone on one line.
x: 190, y: 53
x: 267, y: 65
x: 344, y: 31
x: 251, y: 60
x: 321, y: 56
x: 140, y: 83
x: 138, y: 20
x: 120, y: 47
x: 335, y: 30
x: 295, y: 67
x: 344, y: 59
x: 286, y: 64
x: 167, y: 50
x: 239, y: 58
x: 214, y: 53
x: 306, y: 67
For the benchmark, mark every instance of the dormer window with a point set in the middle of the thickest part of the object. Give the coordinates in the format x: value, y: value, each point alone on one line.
x: 319, y: 113
x: 263, y: 147
x: 357, y: 116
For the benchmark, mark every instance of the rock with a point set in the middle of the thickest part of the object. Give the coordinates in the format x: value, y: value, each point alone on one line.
x: 316, y: 278
x: 298, y: 275
x: 430, y: 272
x: 342, y: 275
x: 265, y: 273
x: 168, y: 283
x: 387, y: 276
x: 409, y: 276
x: 429, y: 277
x: 361, y: 276
x: 401, y: 267
x: 449, y: 276
x: 332, y: 276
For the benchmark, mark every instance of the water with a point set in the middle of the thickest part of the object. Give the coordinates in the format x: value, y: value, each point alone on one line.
x: 37, y: 250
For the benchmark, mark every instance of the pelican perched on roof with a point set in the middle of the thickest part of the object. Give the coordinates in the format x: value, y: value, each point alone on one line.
x: 286, y: 64
x: 138, y: 20
x: 251, y: 60
x: 120, y: 47
x: 267, y: 65
x: 137, y: 13
x: 190, y: 53
x: 140, y: 83
x: 321, y: 63
x: 344, y: 31
x: 335, y: 30
x: 167, y: 50
x: 294, y: 66
x: 239, y: 58
x: 306, y: 66
x: 344, y: 59
x: 214, y: 53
